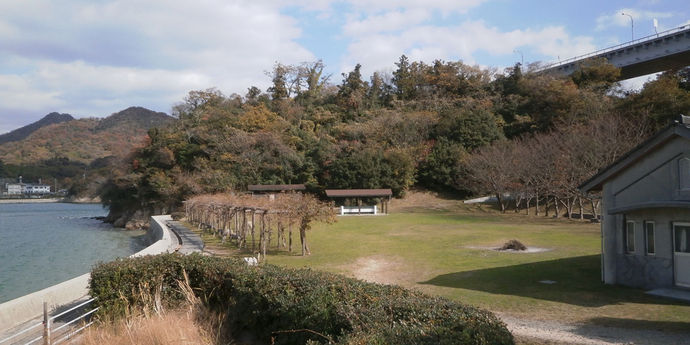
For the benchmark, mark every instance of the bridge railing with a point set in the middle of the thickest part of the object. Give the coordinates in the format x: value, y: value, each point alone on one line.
x: 616, y: 47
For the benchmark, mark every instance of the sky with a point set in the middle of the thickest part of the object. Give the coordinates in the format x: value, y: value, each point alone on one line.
x: 92, y: 58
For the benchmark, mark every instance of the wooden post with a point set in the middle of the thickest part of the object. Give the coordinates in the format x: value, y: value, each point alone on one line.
x: 262, y: 234
x: 253, y: 230
x: 289, y: 236
x: 46, y: 325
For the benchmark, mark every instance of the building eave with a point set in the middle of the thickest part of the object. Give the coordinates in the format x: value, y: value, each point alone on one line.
x: 650, y: 205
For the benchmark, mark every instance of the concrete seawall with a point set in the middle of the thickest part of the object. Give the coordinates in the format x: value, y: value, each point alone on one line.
x: 22, y: 309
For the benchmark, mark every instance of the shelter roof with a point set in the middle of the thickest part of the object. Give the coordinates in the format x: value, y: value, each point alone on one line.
x: 358, y: 193
x: 275, y: 187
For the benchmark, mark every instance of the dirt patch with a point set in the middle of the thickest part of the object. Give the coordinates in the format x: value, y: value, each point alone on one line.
x: 380, y: 269
x: 416, y: 200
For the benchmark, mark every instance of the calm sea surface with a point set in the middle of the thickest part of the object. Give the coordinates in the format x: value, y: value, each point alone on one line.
x: 45, y: 244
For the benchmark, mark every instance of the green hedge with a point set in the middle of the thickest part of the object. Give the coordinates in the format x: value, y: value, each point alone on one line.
x: 267, y: 300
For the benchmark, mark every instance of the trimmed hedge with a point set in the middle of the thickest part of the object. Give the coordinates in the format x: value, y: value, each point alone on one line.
x: 279, y: 304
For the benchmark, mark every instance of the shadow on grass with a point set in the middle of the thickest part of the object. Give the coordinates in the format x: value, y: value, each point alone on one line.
x: 677, y: 326
x: 577, y: 282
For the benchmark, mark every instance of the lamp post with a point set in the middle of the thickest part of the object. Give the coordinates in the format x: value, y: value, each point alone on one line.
x: 522, y: 57
x: 632, y: 26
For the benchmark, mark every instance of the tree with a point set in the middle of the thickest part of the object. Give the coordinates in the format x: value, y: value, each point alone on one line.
x: 547, y: 100
x: 660, y: 101
x: 357, y: 166
x: 253, y: 94
x: 403, y: 79
x: 597, y: 74
x: 352, y: 91
x: 490, y: 168
x: 444, y: 166
x: 279, y: 78
x: 312, y: 73
x: 472, y: 125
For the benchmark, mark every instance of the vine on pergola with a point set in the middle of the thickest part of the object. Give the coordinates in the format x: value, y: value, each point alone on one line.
x: 240, y: 217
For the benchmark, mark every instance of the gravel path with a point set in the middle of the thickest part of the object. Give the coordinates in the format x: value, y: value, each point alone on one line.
x: 591, y: 334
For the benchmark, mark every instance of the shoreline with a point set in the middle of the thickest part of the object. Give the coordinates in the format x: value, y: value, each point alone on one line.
x: 49, y: 200
x: 30, y: 201
x: 21, y: 309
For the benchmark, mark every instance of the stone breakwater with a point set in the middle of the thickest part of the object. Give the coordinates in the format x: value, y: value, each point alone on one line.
x: 28, y: 307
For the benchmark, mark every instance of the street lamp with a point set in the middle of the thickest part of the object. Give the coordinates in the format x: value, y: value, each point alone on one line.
x: 522, y: 57
x: 632, y: 26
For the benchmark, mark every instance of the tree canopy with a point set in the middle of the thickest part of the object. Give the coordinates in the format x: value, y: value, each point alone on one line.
x: 428, y: 125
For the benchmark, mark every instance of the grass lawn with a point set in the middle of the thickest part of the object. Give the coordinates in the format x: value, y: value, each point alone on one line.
x: 448, y: 252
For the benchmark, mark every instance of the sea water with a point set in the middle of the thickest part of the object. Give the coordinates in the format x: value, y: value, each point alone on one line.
x: 44, y: 244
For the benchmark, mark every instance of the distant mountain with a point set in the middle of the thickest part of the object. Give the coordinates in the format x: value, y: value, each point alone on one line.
x: 134, y: 117
x: 85, y: 140
x: 23, y: 132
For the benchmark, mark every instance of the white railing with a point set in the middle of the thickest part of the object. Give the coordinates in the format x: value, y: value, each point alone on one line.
x: 64, y: 331
x: 616, y: 47
x: 358, y: 210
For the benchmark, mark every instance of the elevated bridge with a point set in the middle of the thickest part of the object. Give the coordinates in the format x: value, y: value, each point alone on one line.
x: 656, y: 53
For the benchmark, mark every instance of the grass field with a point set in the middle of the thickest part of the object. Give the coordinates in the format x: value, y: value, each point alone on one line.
x: 449, y: 252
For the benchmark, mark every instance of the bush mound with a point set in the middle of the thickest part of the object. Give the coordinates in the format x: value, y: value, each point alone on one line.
x: 514, y: 245
x: 292, y: 306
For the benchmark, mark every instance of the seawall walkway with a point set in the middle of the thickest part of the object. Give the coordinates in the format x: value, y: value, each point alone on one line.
x: 165, y: 235
x: 190, y: 242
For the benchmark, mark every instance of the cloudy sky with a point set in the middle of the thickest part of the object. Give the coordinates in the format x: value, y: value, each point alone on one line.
x: 92, y: 58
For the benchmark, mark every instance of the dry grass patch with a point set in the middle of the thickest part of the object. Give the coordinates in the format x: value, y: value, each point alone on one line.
x: 173, y: 327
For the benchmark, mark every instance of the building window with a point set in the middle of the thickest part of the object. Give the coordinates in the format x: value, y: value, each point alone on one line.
x: 649, y: 237
x: 684, y: 174
x: 682, y: 238
x: 629, y: 237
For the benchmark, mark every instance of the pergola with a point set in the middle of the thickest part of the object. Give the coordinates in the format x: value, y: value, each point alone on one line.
x: 384, y: 195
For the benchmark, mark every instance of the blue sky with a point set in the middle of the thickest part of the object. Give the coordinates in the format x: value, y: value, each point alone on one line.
x: 93, y: 58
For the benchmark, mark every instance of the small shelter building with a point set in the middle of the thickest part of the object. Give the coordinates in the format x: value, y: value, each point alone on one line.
x: 272, y: 189
x: 342, y: 197
x: 646, y: 212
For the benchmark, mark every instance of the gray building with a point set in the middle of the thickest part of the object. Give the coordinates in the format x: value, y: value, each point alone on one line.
x: 646, y: 212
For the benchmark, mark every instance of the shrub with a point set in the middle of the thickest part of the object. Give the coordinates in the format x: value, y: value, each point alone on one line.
x: 514, y: 245
x: 293, y: 306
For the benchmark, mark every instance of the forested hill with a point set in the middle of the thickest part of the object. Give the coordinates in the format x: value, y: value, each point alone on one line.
x: 134, y: 117
x: 23, y: 132
x: 445, y: 126
x: 84, y: 140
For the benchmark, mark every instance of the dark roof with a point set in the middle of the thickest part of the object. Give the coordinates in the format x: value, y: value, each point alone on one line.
x: 353, y: 193
x: 275, y: 187
x: 632, y: 156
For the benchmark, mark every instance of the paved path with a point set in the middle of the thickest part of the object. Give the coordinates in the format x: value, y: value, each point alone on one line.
x: 561, y: 333
x: 191, y: 242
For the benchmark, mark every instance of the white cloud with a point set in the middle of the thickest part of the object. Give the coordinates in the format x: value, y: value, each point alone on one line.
x: 88, y: 56
x: 618, y: 19
x: 460, y: 6
x: 387, y: 22
x: 428, y: 42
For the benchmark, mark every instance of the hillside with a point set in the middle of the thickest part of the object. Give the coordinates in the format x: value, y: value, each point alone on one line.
x: 84, y: 140
x: 134, y: 117
x: 23, y: 132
